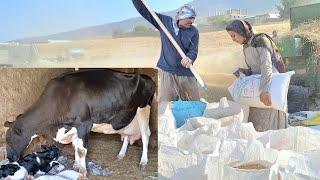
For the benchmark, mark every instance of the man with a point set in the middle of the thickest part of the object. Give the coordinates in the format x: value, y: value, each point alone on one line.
x: 274, y: 34
x: 176, y: 79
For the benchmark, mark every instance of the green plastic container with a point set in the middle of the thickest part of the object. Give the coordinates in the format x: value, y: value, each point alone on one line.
x: 290, y: 47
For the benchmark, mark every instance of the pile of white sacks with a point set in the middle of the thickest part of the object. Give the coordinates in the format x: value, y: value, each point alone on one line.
x: 222, y: 145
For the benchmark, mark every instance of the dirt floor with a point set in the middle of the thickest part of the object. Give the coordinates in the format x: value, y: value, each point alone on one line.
x: 104, y: 149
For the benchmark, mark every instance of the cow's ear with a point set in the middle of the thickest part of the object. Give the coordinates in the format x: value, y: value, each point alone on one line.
x: 8, y: 124
x: 19, y: 116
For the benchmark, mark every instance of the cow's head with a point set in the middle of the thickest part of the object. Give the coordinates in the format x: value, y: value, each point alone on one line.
x: 17, y: 139
x: 148, y: 90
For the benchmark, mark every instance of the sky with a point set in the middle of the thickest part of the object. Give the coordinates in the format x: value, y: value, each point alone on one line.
x: 29, y: 18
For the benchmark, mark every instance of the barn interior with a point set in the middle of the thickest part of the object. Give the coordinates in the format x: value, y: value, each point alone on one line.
x: 21, y: 87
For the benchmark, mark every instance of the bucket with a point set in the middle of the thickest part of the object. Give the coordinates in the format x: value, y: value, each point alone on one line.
x: 183, y: 110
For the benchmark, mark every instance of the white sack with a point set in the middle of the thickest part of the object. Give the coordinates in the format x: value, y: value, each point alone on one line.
x: 201, y: 140
x: 298, y: 139
x: 231, y: 172
x: 227, y: 112
x: 245, y: 90
x: 175, y: 165
x: 199, y: 122
x: 231, y: 150
x: 238, y: 131
x: 296, y: 166
x: 166, y: 126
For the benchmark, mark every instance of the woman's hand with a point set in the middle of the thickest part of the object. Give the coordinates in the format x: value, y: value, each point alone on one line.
x: 265, y: 98
x: 186, y: 62
x: 240, y: 70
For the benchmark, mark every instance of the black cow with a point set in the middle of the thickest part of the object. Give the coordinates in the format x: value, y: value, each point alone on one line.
x: 79, y: 100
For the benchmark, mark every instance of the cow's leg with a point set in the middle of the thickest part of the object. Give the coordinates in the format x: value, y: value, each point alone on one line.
x: 79, y: 155
x: 143, y: 119
x: 124, y: 147
x: 81, y: 145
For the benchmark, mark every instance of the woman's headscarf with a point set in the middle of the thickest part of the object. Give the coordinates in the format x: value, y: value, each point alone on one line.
x: 241, y: 27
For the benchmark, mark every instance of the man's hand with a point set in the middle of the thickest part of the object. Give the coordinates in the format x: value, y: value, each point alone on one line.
x: 186, y: 62
x: 265, y: 98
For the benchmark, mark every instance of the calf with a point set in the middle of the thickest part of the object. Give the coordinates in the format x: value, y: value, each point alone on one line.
x: 8, y: 170
x: 73, y: 103
x: 45, y: 159
x: 39, y: 162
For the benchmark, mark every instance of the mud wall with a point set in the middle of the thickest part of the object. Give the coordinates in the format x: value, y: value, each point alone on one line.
x: 20, y: 88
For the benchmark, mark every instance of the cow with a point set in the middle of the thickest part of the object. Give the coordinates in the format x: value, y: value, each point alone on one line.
x: 76, y: 102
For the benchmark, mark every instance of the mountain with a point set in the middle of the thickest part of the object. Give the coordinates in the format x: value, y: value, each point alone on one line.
x: 204, y: 9
x: 89, y: 32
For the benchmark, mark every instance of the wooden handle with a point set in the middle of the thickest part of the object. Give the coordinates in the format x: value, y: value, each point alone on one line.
x: 175, y: 44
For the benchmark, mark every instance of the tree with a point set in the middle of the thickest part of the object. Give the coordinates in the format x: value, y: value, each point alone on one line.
x: 117, y: 32
x: 219, y: 21
x: 284, y: 7
x: 140, y: 28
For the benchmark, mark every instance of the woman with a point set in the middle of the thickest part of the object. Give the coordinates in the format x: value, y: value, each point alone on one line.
x: 260, y: 53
